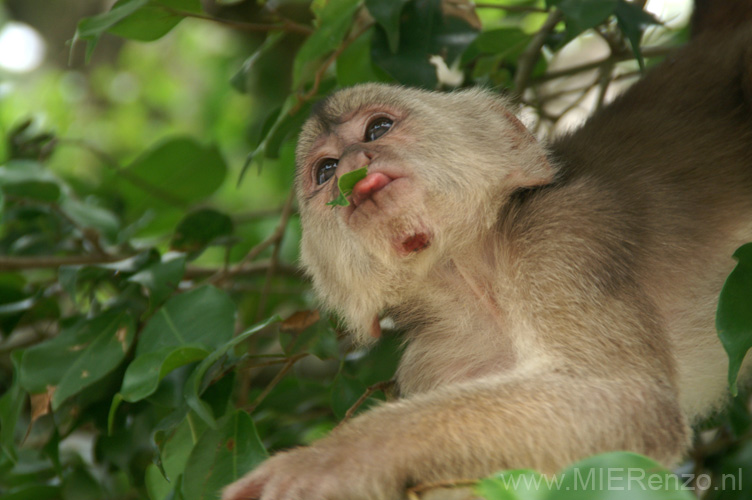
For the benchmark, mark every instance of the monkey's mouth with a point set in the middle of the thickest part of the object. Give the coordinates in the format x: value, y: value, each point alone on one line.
x: 368, y: 186
x: 405, y: 242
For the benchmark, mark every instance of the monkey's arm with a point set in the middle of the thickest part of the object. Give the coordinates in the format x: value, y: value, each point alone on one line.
x: 537, y: 420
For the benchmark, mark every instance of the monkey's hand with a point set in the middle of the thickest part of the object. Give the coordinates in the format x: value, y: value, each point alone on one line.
x: 331, y: 469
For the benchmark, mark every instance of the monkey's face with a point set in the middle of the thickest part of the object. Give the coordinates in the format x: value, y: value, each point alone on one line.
x: 438, y: 165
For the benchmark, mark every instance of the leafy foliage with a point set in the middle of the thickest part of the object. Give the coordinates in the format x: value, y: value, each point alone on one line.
x: 143, y: 269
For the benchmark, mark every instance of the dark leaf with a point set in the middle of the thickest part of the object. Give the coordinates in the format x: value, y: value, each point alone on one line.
x: 204, y: 316
x: 334, y: 23
x: 77, y: 357
x: 580, y: 15
x: 387, y: 14
x: 633, y: 21
x: 354, y: 64
x: 161, y: 278
x: 346, y: 390
x: 198, y: 382
x: 424, y: 31
x: 221, y: 456
x: 200, y: 229
x: 734, y: 316
x: 155, y: 19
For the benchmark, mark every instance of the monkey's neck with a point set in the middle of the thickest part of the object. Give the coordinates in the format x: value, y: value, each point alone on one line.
x: 459, y: 331
x: 481, y: 291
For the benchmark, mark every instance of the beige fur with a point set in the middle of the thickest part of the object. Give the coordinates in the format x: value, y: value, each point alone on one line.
x: 565, y: 305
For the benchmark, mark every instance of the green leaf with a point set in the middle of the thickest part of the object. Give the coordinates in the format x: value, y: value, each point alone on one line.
x: 154, y: 20
x: 175, y: 449
x: 34, y: 190
x: 221, y: 456
x: 378, y: 363
x: 203, y: 317
x: 346, y: 390
x: 28, y: 179
x: 346, y: 183
x: 143, y: 375
x: 288, y: 122
x: 580, y: 15
x: 258, y: 58
x: 78, y: 356
x: 507, y: 43
x: 91, y: 28
x: 354, y: 64
x: 157, y: 487
x: 178, y: 171
x: 70, y: 277
x: 733, y: 319
x: 387, y: 14
x: 200, y: 229
x: 424, y: 30
x: 319, y: 339
x: 161, y: 278
x: 334, y: 23
x: 197, y: 382
x: 35, y: 492
x: 633, y: 21
x: 618, y: 475
x: 518, y: 484
x: 79, y: 484
x: 11, y: 404
x: 93, y: 216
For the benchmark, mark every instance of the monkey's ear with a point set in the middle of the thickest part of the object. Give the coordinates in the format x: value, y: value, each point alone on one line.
x: 533, y: 167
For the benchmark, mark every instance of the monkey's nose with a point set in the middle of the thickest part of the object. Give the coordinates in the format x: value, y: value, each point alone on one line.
x: 366, y: 187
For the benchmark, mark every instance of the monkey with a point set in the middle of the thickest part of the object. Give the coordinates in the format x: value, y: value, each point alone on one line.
x: 558, y: 300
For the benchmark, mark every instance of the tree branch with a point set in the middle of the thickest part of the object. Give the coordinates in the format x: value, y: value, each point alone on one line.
x: 646, y: 52
x: 526, y: 62
x: 286, y: 25
x: 384, y: 386
x: 280, y: 234
x: 509, y: 8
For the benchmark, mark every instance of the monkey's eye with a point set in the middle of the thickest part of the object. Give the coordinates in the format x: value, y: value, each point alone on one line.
x: 325, y: 170
x: 377, y: 128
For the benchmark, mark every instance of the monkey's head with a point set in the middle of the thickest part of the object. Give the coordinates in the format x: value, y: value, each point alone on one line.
x: 440, y: 166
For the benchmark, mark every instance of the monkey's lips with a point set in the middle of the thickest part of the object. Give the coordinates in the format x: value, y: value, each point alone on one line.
x: 370, y: 184
x: 406, y: 242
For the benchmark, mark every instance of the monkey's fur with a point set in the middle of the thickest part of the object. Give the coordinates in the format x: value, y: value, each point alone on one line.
x: 561, y: 301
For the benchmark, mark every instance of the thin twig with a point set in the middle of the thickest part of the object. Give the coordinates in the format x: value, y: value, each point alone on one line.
x: 52, y: 262
x: 414, y: 491
x: 258, y: 249
x: 646, y: 52
x: 509, y: 8
x: 276, y: 380
x: 257, y: 214
x: 253, y: 268
x: 383, y: 386
x: 280, y: 232
x: 526, y: 61
x: 319, y: 75
x: 605, y: 81
x: 191, y: 272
